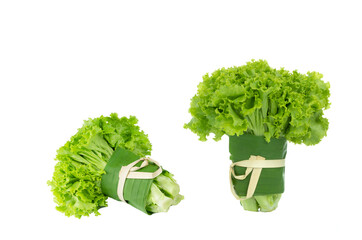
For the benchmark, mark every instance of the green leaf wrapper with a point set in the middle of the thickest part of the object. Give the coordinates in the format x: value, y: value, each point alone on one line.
x: 135, y: 191
x: 271, y: 180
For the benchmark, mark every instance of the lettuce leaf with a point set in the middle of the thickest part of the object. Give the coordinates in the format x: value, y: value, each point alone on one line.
x: 263, y: 101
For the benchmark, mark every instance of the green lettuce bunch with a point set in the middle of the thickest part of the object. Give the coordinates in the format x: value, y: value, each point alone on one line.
x: 260, y: 100
x: 76, y: 182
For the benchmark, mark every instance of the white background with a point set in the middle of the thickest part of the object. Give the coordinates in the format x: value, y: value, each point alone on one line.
x: 64, y: 61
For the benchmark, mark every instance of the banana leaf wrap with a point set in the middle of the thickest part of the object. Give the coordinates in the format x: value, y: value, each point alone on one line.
x: 271, y: 180
x: 135, y: 191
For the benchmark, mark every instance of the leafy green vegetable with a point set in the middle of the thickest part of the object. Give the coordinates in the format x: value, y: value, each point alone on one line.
x: 263, y: 101
x: 76, y: 182
x: 260, y: 100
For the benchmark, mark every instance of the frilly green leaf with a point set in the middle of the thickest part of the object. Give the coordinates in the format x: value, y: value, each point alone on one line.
x: 263, y: 101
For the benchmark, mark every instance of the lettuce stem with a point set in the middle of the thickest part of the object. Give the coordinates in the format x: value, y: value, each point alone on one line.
x: 164, y: 193
x: 263, y: 203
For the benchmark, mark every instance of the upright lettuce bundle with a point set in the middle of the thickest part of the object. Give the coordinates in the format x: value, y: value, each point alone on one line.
x: 77, y: 180
x: 260, y: 101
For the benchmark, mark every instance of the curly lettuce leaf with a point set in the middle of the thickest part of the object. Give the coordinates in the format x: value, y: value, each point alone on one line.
x: 263, y: 101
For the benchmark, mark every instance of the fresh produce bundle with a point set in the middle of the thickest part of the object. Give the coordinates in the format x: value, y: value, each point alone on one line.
x: 260, y: 109
x: 107, y: 158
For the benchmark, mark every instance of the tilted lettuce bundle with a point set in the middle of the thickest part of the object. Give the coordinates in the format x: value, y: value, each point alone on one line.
x: 77, y: 179
x: 258, y: 106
